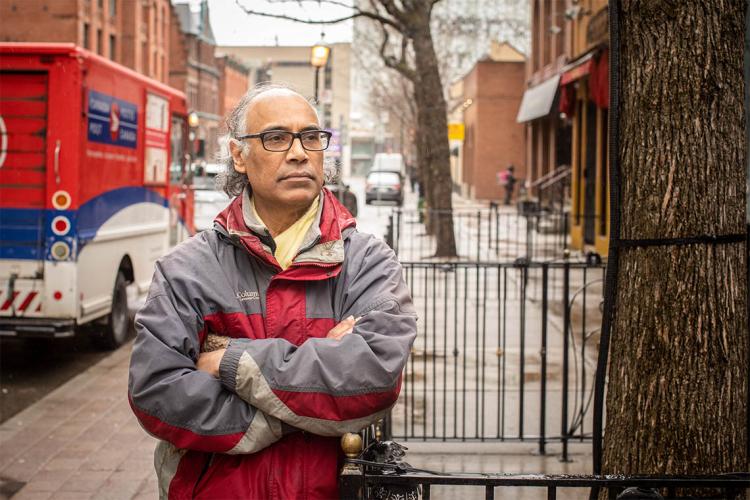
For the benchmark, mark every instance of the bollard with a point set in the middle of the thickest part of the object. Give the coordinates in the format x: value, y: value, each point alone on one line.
x: 351, y: 480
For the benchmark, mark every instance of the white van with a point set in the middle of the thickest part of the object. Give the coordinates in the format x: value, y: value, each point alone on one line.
x: 389, y: 162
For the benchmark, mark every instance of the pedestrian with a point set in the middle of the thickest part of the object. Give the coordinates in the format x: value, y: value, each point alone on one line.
x: 265, y: 339
x: 413, y: 178
x: 507, y: 179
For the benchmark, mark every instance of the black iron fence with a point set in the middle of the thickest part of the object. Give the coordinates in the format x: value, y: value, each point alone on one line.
x: 487, y: 234
x: 375, y: 484
x: 504, y: 352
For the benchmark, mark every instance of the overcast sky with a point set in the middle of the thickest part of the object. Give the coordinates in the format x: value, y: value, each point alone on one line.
x: 231, y: 26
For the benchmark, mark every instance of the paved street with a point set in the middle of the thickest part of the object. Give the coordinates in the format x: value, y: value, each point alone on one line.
x: 26, y: 378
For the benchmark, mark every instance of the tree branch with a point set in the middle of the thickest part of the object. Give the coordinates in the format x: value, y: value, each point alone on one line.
x: 357, y: 13
x: 392, y: 9
x: 399, y: 65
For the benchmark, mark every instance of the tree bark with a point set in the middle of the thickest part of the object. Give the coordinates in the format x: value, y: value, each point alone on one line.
x: 433, y: 124
x: 677, y: 391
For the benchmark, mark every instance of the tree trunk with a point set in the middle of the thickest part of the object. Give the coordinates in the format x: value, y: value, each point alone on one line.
x: 677, y: 391
x: 423, y: 146
x: 434, y: 130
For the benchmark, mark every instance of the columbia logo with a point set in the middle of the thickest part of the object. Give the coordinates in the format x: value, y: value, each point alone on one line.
x: 245, y: 295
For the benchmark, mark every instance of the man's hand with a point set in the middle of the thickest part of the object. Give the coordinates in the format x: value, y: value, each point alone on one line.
x: 344, y: 328
x: 209, y: 361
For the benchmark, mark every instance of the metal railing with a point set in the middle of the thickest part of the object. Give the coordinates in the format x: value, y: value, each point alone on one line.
x: 504, y: 352
x: 484, y: 235
x: 375, y: 484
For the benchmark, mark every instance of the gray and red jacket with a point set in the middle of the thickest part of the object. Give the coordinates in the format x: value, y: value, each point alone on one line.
x: 269, y: 427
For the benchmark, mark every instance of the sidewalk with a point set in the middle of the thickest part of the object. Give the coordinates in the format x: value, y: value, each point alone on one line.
x: 80, y: 441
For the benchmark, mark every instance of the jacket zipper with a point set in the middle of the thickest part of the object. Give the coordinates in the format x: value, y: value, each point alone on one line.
x: 206, y: 466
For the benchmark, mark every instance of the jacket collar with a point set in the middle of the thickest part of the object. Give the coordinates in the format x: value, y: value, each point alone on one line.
x: 322, y: 250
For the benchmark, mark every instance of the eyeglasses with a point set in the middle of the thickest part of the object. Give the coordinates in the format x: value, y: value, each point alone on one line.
x: 280, y: 140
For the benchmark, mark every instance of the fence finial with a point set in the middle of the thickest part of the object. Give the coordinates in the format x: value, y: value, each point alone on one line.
x: 351, y: 444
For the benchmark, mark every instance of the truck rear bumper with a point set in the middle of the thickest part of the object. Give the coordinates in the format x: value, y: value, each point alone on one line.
x: 37, y: 327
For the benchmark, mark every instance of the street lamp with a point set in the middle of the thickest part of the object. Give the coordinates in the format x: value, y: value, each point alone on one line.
x: 193, y: 121
x: 318, y: 58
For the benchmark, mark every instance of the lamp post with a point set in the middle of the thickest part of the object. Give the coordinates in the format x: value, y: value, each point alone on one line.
x: 193, y: 122
x: 318, y: 58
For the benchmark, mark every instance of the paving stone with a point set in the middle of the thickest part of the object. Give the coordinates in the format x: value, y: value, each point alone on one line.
x: 27, y: 464
x: 63, y: 464
x: 86, y: 481
x: 149, y: 488
x: 121, y: 485
x: 48, y: 480
x: 105, y: 459
x: 32, y: 495
x: 71, y: 495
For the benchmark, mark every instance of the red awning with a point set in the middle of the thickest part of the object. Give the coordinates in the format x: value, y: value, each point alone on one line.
x: 577, y: 69
x: 599, y: 80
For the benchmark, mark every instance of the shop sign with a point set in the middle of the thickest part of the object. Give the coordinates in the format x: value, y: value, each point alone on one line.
x: 456, y: 131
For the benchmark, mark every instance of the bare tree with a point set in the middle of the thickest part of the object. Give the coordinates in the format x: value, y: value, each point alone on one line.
x: 678, y: 379
x: 417, y: 62
x: 386, y: 90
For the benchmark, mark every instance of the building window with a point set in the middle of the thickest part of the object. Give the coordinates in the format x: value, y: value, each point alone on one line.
x: 112, y: 47
x: 327, y: 76
x: 144, y: 57
x: 99, y: 42
x: 327, y: 116
x: 112, y: 8
x: 86, y: 39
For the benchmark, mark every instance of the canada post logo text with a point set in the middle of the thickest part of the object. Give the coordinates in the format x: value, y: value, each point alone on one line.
x: 112, y: 121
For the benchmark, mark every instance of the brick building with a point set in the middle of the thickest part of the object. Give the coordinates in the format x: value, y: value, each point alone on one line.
x: 134, y: 33
x: 492, y: 92
x: 565, y: 110
x: 193, y: 70
x: 234, y: 82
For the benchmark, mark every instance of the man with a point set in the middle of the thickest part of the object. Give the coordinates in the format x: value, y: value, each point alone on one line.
x: 318, y: 318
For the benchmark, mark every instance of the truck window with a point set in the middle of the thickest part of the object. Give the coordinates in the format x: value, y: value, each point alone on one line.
x: 177, y: 145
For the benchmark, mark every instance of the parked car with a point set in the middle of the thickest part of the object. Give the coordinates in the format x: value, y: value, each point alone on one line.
x: 208, y: 203
x: 385, y: 186
x: 345, y: 196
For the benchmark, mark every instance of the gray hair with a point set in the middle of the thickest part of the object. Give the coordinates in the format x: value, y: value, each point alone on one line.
x: 230, y: 181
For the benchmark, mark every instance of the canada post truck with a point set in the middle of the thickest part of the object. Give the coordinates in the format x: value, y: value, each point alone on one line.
x: 93, y: 189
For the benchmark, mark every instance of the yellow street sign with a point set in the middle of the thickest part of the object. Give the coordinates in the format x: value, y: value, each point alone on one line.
x: 456, y: 131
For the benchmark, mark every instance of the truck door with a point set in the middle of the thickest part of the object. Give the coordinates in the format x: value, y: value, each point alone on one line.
x: 180, y: 180
x: 23, y: 150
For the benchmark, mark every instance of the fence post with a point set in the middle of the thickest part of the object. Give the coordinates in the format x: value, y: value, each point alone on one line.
x: 529, y: 245
x: 396, y: 231
x: 389, y: 233
x: 479, y: 235
x: 493, y: 210
x: 566, y: 331
x: 543, y: 353
x: 351, y: 480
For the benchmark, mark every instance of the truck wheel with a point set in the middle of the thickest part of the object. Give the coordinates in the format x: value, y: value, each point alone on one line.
x: 117, y: 329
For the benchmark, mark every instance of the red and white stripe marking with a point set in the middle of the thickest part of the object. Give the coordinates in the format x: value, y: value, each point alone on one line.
x: 21, y: 302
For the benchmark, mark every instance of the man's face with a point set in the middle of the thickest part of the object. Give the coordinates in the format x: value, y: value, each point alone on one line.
x: 288, y: 180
